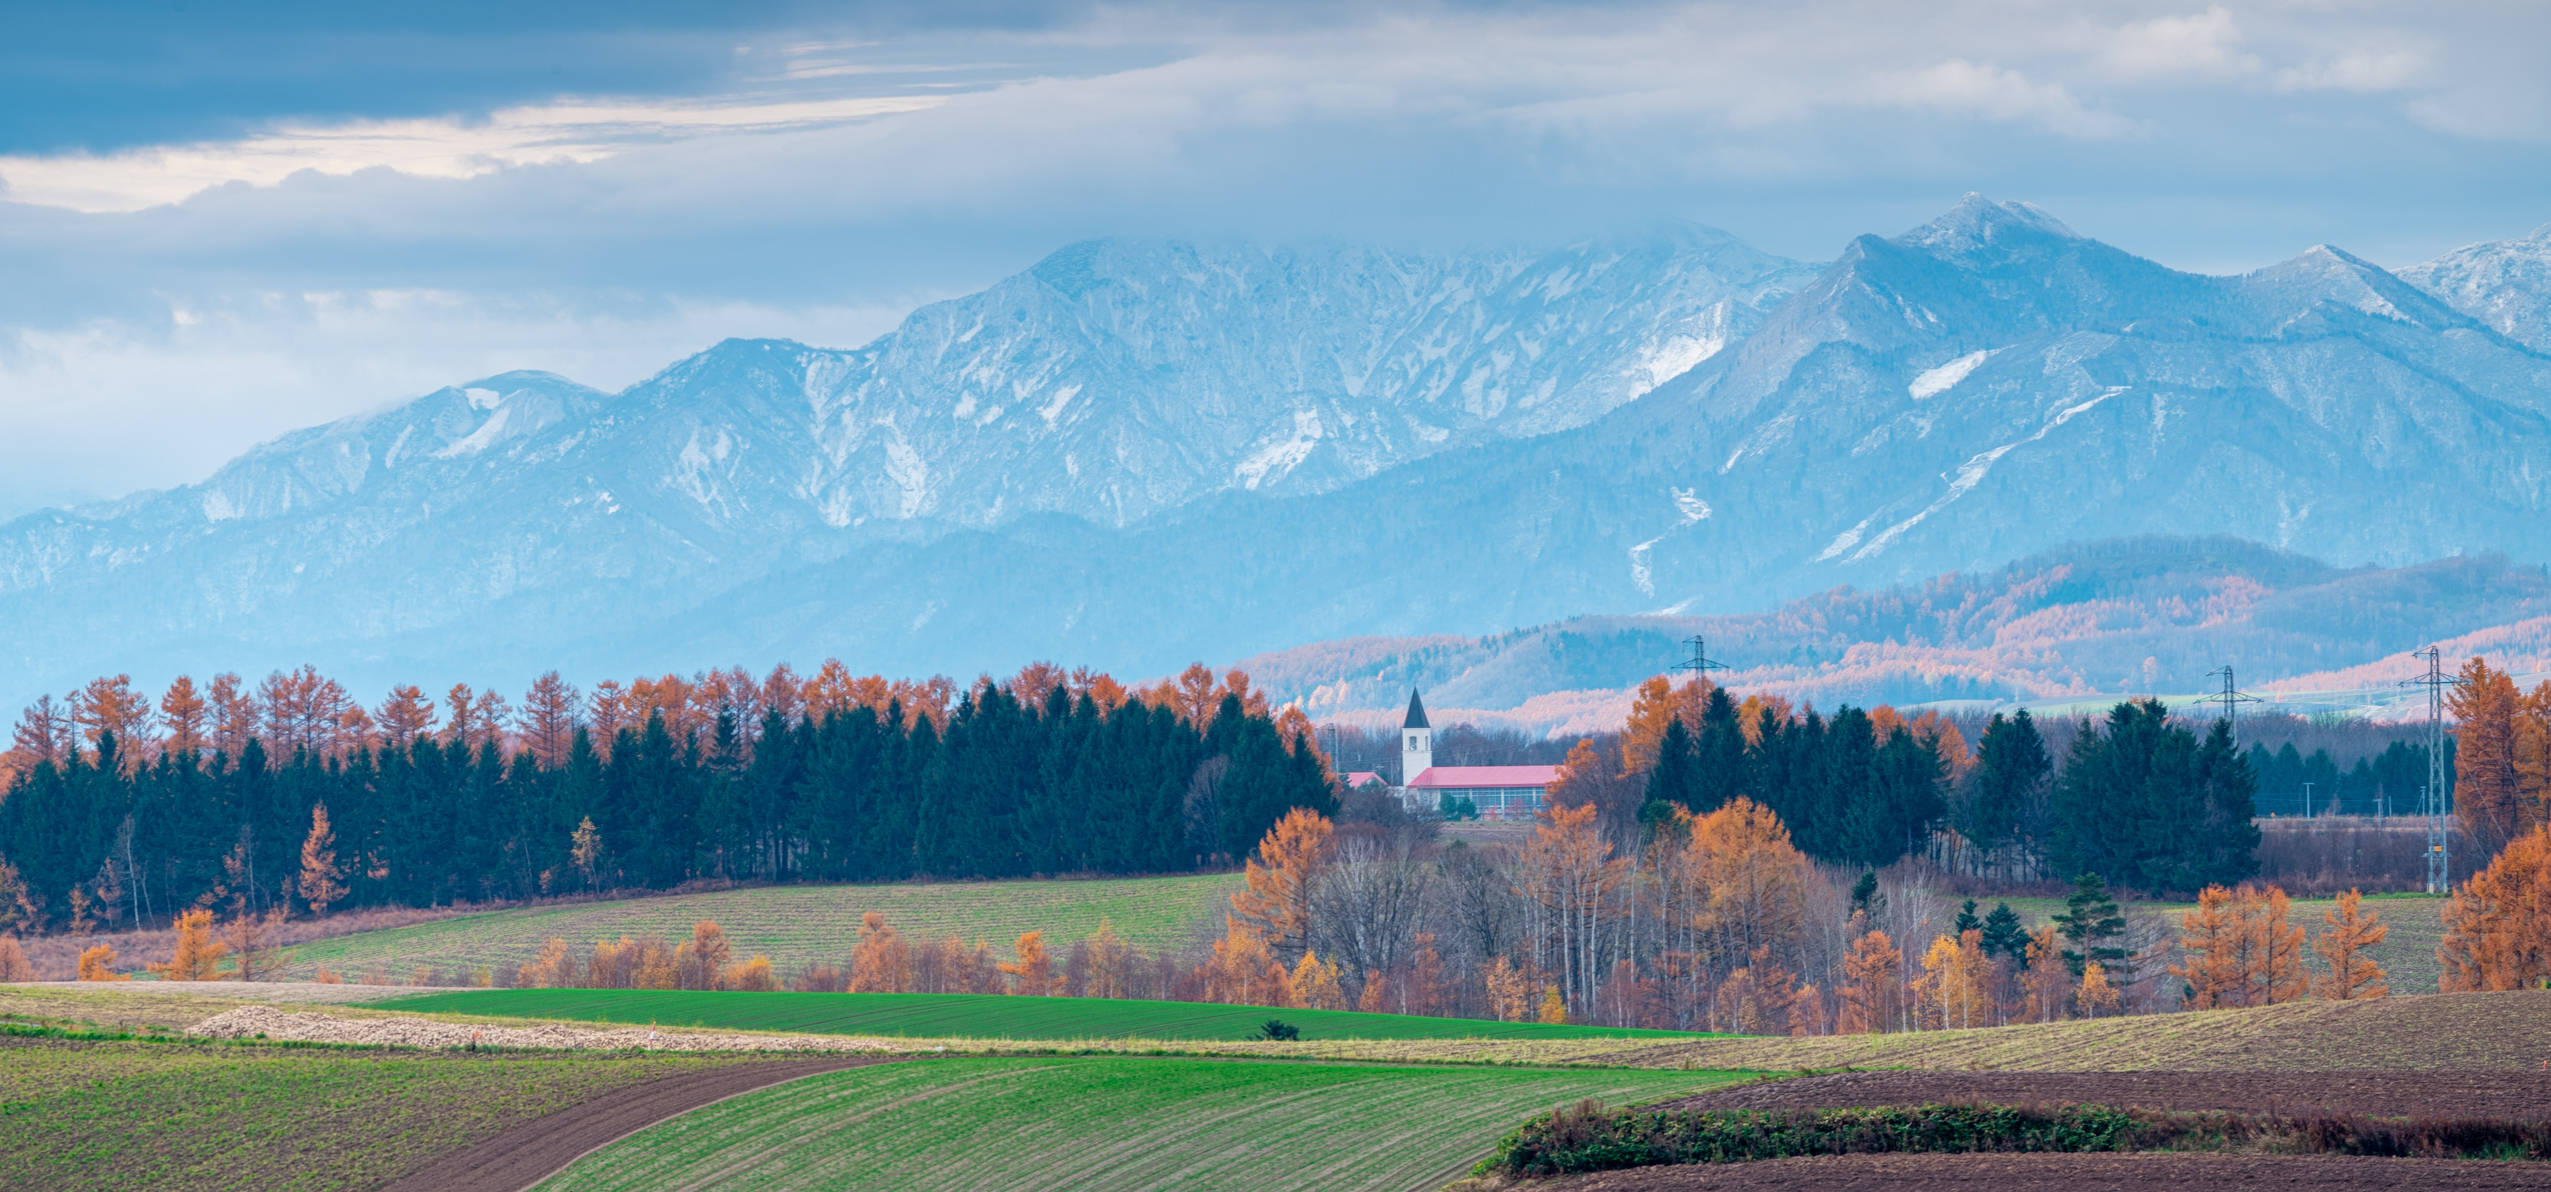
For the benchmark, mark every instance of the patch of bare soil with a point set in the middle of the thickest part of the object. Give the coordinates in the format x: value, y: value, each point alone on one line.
x: 267, y: 1022
x: 536, y: 1150
x: 2061, y: 1173
x: 2516, y: 1096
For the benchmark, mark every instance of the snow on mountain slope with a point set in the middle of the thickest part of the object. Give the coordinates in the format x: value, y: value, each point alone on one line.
x: 2320, y: 405
x: 1113, y: 381
x: 2504, y: 283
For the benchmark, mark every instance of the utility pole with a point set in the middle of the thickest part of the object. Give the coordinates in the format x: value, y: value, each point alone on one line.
x: 1700, y: 663
x: 2231, y: 698
x: 2434, y: 798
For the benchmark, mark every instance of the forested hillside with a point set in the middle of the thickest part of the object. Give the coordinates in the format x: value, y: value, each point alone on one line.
x: 294, y: 797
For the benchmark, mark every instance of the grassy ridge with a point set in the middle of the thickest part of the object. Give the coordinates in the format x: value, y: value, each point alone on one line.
x: 797, y: 925
x: 973, y: 1016
x: 1103, y: 1124
x: 2456, y: 1032
x: 139, y: 1116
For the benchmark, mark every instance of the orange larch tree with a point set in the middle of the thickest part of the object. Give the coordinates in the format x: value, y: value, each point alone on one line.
x: 2488, y: 796
x: 1244, y: 971
x: 320, y: 881
x: 1872, y: 986
x: 1275, y: 905
x: 181, y: 713
x: 197, y: 953
x: 2097, y: 998
x: 1032, y: 974
x: 882, y: 963
x: 1110, y: 963
x: 2348, y: 937
x: 2274, y: 947
x: 98, y: 964
x: 2212, y: 947
x: 2498, y: 925
x: 2046, y: 986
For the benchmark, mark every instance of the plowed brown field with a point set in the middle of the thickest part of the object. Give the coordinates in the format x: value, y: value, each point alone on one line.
x: 2502, y: 1095
x: 2064, y: 1173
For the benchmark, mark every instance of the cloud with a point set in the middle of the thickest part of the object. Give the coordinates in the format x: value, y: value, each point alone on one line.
x: 2363, y: 72
x: 825, y: 180
x: 203, y: 382
x: 545, y: 134
x: 1960, y: 87
x: 2205, y: 43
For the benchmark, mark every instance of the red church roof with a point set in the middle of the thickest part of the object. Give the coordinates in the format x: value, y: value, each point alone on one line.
x: 1461, y: 777
x: 1360, y: 778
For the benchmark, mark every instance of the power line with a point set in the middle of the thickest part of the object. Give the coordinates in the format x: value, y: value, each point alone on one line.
x: 2231, y: 698
x: 2432, y: 799
x: 1700, y: 663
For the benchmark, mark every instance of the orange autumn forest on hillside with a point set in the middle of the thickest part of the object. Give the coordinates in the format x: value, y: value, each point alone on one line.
x: 1642, y: 898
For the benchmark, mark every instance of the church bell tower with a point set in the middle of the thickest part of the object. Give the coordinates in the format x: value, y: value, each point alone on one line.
x: 1417, y: 742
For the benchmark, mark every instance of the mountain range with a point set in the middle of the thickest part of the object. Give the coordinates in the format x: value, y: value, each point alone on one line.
x: 2065, y: 629
x: 1137, y: 453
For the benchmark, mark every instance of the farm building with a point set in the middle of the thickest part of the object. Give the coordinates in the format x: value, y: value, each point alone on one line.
x: 1499, y: 792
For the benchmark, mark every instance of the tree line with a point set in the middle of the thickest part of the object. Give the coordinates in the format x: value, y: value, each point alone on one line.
x: 649, y: 786
x: 2146, y: 801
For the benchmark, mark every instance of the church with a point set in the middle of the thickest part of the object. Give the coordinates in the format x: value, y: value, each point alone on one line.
x: 1498, y: 792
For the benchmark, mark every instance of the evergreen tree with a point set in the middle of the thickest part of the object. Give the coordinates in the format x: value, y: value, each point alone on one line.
x: 1676, y: 779
x: 2003, y: 935
x: 2007, y: 785
x: 2089, y: 921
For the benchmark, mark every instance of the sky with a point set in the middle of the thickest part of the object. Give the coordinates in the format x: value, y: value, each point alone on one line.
x: 220, y: 222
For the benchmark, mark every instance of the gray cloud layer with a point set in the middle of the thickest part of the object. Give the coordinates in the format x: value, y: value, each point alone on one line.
x: 605, y: 236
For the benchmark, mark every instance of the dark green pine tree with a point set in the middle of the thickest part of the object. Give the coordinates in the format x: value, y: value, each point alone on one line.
x: 2091, y: 925
x: 2008, y: 785
x: 2004, y: 935
x: 1966, y: 920
x: 2227, y: 841
x: 1676, y: 778
x: 1720, y: 756
x: 1893, y: 808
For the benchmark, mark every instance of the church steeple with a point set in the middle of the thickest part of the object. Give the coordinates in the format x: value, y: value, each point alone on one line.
x: 1417, y: 741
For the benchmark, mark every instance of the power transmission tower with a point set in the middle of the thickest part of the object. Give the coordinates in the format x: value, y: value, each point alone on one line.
x: 2433, y: 799
x: 2231, y: 698
x: 1700, y: 663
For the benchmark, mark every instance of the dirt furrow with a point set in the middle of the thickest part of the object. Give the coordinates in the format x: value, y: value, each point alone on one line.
x: 534, y: 1151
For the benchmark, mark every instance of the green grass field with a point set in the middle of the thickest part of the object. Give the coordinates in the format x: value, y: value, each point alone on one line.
x: 971, y: 1016
x: 797, y: 925
x: 1103, y: 1124
x: 79, y: 1115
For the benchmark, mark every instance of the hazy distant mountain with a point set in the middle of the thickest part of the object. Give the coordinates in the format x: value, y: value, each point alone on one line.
x: 2142, y: 615
x: 1112, y: 381
x: 1983, y: 388
x: 2504, y: 283
x: 1140, y: 453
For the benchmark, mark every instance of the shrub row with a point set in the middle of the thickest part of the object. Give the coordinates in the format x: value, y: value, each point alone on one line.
x: 1588, y: 1137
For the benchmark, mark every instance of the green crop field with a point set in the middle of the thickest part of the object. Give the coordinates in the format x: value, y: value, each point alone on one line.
x: 124, y: 1116
x: 972, y: 1016
x: 797, y: 925
x: 1100, y: 1124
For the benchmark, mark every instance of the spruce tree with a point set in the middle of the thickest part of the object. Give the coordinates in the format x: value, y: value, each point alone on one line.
x: 1676, y: 777
x: 2004, y: 935
x: 2009, y: 781
x: 2090, y: 920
